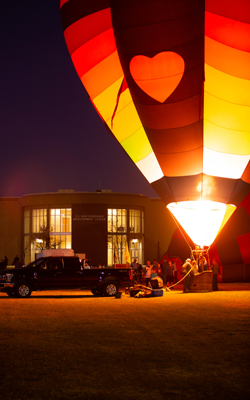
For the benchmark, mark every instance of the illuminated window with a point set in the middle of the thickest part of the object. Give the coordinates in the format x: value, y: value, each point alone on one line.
x: 117, y: 220
x: 39, y: 220
x: 26, y: 221
x: 117, y: 227
x: 60, y: 241
x: 60, y: 228
x: 135, y: 221
x: 135, y: 249
x: 116, y: 243
x: 60, y: 220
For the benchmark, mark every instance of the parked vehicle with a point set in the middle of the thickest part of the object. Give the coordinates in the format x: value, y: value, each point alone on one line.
x: 51, y: 273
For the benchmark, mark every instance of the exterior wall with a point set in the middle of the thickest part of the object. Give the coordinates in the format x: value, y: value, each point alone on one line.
x: 10, y: 228
x: 159, y: 228
x: 88, y: 237
x: 66, y: 199
x: 89, y: 231
x: 92, y: 239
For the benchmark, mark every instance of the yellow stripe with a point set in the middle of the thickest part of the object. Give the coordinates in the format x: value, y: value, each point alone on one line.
x: 106, y: 101
x: 229, y: 211
x: 137, y: 145
x: 227, y: 87
x: 227, y: 115
x: 126, y: 120
x: 226, y: 140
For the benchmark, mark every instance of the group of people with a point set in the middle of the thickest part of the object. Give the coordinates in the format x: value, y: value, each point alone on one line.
x: 4, y: 262
x: 190, y: 268
x: 166, y: 270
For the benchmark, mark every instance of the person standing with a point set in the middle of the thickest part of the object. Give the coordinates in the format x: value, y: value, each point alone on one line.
x: 175, y: 272
x: 205, y: 264
x: 170, y: 273
x: 5, y: 261
x: 195, y: 270
x: 200, y: 263
x: 134, y: 265
x: 155, y: 265
x: 160, y: 271
x: 139, y: 269
x: 148, y: 273
x: 15, y: 260
x: 186, y: 267
x: 18, y: 263
x: 216, y: 270
x: 164, y: 270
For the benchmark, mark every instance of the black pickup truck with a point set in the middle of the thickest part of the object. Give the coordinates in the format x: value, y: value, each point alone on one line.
x: 50, y: 273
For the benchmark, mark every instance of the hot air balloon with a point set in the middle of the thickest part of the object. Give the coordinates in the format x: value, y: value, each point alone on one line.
x: 231, y: 247
x: 171, y: 81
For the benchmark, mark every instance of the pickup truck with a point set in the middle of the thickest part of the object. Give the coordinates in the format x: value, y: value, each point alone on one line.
x: 51, y: 273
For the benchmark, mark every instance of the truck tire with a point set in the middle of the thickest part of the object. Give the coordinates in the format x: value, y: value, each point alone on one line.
x: 96, y: 293
x: 110, y: 289
x: 22, y: 289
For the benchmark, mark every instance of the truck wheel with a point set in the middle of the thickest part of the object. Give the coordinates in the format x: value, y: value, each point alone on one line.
x: 95, y: 292
x: 110, y: 289
x: 22, y: 290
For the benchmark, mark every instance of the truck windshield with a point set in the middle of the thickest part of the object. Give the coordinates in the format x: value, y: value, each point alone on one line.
x: 35, y: 263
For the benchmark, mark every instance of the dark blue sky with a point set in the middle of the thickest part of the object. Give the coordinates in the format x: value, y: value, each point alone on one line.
x: 51, y: 136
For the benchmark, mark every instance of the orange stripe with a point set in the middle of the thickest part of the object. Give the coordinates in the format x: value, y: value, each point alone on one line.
x: 102, y: 75
x: 227, y: 31
x: 227, y: 59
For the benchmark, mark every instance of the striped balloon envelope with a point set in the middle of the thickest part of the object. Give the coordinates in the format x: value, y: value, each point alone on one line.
x: 171, y: 80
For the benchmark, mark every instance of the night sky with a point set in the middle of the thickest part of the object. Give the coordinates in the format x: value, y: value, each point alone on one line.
x: 51, y: 136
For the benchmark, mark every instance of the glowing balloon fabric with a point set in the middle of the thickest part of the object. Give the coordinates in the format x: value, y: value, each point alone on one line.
x: 184, y: 116
x: 227, y: 88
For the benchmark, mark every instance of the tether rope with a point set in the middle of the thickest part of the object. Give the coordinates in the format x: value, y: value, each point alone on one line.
x: 169, y: 287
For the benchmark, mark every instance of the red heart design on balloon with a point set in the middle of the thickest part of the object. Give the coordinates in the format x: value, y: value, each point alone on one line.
x: 158, y: 76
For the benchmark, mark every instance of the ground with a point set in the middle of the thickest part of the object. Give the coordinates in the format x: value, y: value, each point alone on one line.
x: 72, y: 345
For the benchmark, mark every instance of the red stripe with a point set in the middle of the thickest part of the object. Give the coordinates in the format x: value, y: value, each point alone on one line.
x: 93, y: 52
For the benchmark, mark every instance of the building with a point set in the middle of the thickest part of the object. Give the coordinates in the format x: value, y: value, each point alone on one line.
x: 94, y: 223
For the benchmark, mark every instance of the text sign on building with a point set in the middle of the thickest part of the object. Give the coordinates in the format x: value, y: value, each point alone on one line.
x: 89, y: 217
